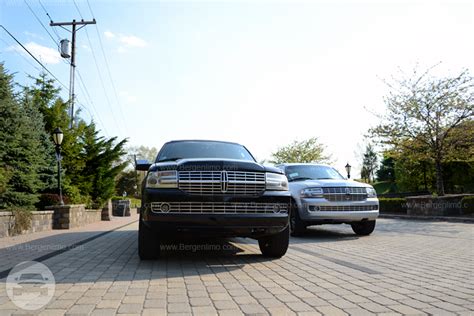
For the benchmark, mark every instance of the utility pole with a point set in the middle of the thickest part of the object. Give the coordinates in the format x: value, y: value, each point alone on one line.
x: 74, y: 23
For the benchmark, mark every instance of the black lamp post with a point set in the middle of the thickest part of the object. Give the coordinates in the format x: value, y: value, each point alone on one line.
x: 348, y: 170
x: 58, y: 139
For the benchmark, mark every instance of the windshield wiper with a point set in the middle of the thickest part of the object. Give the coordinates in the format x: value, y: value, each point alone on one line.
x: 170, y: 159
x: 300, y: 179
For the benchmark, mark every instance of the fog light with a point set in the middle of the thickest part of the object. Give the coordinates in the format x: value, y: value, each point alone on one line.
x: 313, y: 208
x: 165, y: 207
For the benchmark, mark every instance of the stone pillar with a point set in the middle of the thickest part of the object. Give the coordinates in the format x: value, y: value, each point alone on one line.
x: 106, y: 211
x: 68, y: 216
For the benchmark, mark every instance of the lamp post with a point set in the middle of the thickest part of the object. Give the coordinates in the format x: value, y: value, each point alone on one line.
x: 348, y: 170
x: 58, y: 139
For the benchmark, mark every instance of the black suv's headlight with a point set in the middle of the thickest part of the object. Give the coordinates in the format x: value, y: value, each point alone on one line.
x: 162, y: 179
x: 276, y: 182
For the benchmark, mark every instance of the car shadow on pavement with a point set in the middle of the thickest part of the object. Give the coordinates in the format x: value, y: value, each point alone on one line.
x: 326, y: 233
x: 114, y: 257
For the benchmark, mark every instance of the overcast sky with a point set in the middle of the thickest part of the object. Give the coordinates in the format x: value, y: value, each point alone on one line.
x: 261, y: 73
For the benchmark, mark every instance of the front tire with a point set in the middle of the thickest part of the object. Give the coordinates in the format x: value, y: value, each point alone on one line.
x: 297, y: 226
x: 148, y: 243
x: 275, y: 246
x: 363, y: 228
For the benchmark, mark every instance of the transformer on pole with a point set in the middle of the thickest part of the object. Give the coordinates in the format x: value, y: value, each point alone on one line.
x: 65, y: 54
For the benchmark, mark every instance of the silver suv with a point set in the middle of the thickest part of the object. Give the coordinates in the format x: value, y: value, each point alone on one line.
x: 321, y: 195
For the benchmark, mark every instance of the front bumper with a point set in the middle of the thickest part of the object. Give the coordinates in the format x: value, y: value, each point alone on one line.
x: 203, y: 221
x: 320, y: 210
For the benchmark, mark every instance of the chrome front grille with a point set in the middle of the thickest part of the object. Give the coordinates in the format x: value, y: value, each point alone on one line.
x: 221, y: 182
x: 218, y: 207
x: 344, y: 194
x: 348, y: 208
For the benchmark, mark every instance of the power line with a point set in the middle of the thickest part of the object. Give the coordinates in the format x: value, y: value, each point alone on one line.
x: 44, y: 67
x: 33, y: 56
x: 107, y: 66
x: 50, y: 19
x: 22, y: 56
x: 84, y: 88
x: 39, y: 21
x: 98, y: 71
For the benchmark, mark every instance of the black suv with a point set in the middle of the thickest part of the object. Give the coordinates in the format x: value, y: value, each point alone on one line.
x: 212, y: 188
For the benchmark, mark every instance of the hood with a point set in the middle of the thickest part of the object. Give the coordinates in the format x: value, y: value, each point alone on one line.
x: 328, y: 183
x: 212, y: 164
x: 335, y: 183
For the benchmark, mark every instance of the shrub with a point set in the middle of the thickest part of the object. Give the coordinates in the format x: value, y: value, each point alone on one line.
x: 48, y: 199
x: 393, y: 205
x: 117, y: 197
x: 21, y: 221
x: 467, y: 203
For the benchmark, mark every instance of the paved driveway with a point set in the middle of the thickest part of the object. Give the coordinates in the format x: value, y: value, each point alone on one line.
x: 405, y: 267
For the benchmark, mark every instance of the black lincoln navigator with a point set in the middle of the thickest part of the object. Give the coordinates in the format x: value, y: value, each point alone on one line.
x: 212, y: 188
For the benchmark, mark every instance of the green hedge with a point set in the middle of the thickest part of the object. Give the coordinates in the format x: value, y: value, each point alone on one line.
x: 468, y: 205
x: 393, y: 205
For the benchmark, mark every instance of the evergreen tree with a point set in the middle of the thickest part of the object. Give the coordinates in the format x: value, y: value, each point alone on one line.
x: 45, y: 95
x: 103, y: 164
x: 23, y: 155
x: 369, y: 162
x: 386, y: 172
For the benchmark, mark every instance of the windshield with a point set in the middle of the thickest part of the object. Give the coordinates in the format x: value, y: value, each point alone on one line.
x: 199, y: 149
x: 311, y: 172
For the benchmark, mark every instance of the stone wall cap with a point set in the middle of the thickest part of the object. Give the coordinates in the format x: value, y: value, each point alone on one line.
x: 64, y: 206
x: 42, y: 212
x: 447, y: 196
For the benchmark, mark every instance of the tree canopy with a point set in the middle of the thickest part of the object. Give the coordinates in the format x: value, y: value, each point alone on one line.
x: 422, y: 114
x: 309, y: 150
x: 91, y: 163
x: 25, y: 154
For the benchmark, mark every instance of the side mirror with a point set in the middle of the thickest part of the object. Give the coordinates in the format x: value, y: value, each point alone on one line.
x: 142, y: 165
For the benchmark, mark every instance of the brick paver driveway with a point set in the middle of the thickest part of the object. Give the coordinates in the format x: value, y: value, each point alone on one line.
x: 405, y: 267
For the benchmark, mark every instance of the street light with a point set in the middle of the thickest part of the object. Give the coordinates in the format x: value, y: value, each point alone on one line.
x: 348, y: 170
x: 58, y: 139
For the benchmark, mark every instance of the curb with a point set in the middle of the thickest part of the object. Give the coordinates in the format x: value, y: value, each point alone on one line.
x: 429, y: 218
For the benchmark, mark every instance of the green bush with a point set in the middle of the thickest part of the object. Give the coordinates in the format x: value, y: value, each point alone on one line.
x: 74, y: 195
x: 135, y: 203
x: 393, y: 205
x: 468, y: 204
x: 383, y: 187
x: 117, y: 197
x: 48, y: 199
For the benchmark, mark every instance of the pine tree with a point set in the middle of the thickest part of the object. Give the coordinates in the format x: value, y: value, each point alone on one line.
x: 103, y: 164
x: 23, y: 155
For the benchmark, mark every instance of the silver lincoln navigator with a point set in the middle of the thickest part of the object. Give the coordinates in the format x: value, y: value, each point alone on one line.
x: 321, y: 195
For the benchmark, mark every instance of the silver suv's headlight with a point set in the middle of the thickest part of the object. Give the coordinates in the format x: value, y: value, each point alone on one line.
x: 162, y: 179
x: 371, y: 193
x: 312, y: 193
x: 276, y: 182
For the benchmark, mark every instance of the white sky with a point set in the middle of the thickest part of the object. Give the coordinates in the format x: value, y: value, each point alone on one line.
x: 259, y: 73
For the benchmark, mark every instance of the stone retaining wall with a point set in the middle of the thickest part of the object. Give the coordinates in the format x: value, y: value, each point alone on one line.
x: 55, y: 217
x: 448, y: 205
x: 40, y: 221
x: 71, y: 216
